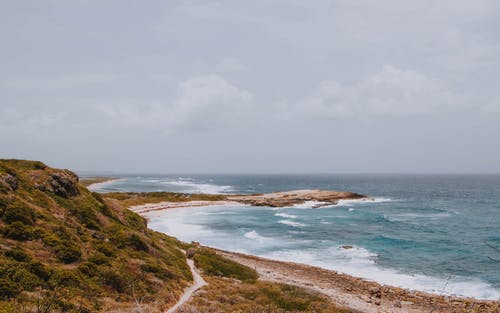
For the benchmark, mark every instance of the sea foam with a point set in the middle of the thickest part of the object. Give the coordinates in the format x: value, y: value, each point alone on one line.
x: 285, y: 215
x: 291, y: 223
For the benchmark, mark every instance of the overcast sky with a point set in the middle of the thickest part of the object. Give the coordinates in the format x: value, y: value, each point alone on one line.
x: 252, y: 86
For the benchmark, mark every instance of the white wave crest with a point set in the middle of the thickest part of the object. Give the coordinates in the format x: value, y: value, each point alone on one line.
x: 291, y: 223
x: 285, y: 215
x: 362, y: 201
x: 193, y: 187
x: 253, y: 235
x: 309, y: 205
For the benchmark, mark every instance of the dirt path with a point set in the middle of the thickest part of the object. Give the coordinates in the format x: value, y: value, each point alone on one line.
x: 197, y: 284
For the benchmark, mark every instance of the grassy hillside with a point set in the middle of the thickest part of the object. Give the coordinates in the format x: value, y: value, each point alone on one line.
x: 65, y: 249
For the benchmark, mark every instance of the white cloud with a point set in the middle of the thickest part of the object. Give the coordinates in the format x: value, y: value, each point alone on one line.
x: 201, y: 102
x: 390, y: 92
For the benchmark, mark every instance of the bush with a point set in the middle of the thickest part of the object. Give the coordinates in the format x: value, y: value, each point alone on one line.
x: 114, y: 280
x: 18, y: 231
x: 137, y: 243
x: 18, y: 255
x: 67, y: 253
x: 106, y: 249
x: 289, y: 298
x: 39, y: 270
x: 26, y: 279
x: 88, y: 268
x: 99, y: 259
x: 8, y: 289
x: 134, y: 220
x: 158, y: 271
x: 66, y: 278
x: 18, y: 212
x: 215, y: 265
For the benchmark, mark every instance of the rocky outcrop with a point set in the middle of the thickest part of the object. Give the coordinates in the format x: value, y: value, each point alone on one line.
x: 63, y: 183
x: 9, y: 182
x: 295, y: 197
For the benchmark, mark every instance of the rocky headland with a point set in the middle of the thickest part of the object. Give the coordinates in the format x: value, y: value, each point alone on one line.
x: 295, y: 197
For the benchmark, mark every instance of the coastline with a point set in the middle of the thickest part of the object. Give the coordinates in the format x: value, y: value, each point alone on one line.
x: 356, y: 293
x: 345, y: 290
x: 100, y: 182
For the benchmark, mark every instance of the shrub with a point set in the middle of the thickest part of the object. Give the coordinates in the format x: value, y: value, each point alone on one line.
x: 18, y: 255
x: 18, y: 212
x: 99, y: 259
x: 158, y: 271
x: 137, y: 243
x: 18, y: 231
x: 113, y: 279
x: 106, y: 249
x: 134, y: 220
x: 26, y: 279
x: 67, y: 253
x: 289, y: 298
x: 39, y: 270
x: 8, y: 289
x: 88, y: 268
x: 215, y: 265
x: 66, y: 278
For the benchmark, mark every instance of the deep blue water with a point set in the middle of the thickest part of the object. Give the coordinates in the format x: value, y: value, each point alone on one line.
x: 429, y: 232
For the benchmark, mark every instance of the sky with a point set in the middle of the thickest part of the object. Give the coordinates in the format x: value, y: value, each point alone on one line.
x: 277, y: 86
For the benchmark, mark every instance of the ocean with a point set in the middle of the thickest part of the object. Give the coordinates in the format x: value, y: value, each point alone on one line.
x: 435, y: 233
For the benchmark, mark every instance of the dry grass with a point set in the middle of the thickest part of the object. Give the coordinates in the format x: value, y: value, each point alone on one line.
x: 229, y: 295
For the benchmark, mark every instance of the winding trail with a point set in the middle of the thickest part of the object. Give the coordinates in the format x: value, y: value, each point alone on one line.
x: 188, y: 292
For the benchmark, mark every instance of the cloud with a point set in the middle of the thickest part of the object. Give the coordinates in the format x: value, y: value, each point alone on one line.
x: 390, y: 92
x: 201, y: 102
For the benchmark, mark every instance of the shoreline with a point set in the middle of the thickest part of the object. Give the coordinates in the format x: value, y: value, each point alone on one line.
x: 356, y: 293
x: 344, y: 289
x: 102, y: 181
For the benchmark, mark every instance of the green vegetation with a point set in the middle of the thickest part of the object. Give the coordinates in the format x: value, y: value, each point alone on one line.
x: 137, y: 198
x: 94, y: 180
x: 65, y: 249
x: 215, y: 265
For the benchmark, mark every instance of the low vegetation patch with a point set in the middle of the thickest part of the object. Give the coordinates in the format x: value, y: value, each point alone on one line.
x: 215, y: 265
x: 128, y: 199
x: 223, y: 295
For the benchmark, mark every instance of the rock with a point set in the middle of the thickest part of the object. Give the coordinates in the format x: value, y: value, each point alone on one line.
x: 190, y: 252
x: 9, y: 181
x: 397, y: 304
x: 346, y: 247
x: 375, y: 292
x: 289, y: 198
x: 63, y: 183
x: 377, y: 302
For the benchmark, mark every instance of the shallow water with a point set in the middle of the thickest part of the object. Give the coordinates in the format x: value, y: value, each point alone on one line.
x: 424, y: 232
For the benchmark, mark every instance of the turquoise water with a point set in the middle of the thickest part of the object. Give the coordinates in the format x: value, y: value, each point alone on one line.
x: 424, y: 232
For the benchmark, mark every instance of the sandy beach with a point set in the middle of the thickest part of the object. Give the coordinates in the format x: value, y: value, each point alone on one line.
x: 101, y: 182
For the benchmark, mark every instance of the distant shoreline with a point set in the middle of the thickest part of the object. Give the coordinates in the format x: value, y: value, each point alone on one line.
x: 93, y: 183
